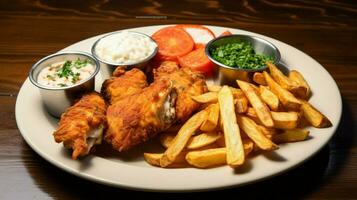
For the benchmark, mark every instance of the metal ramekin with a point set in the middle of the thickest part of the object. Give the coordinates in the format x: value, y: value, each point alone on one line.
x: 58, y: 99
x: 107, y: 68
x: 228, y: 75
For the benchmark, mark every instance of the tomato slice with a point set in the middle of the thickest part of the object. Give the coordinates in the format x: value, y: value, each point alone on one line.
x: 227, y: 32
x: 172, y: 42
x: 201, y: 35
x: 198, y: 62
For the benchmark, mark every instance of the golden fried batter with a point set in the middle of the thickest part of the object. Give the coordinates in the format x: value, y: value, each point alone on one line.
x: 123, y: 83
x: 186, y: 83
x: 82, y: 124
x: 136, y: 118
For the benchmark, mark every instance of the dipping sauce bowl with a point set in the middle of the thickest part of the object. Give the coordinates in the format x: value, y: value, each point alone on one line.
x: 227, y: 74
x: 123, y: 48
x: 57, y: 99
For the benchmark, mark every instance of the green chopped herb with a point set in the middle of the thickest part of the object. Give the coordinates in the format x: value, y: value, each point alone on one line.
x: 75, y: 77
x: 65, y: 70
x: 50, y: 77
x: 239, y: 55
x: 61, y: 84
x: 81, y: 63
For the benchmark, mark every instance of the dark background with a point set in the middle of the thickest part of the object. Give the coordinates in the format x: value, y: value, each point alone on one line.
x: 326, y: 30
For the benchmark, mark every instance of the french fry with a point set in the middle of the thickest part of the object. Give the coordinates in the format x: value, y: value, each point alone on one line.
x: 286, y: 98
x: 282, y: 80
x: 166, y: 139
x: 214, y: 88
x: 241, y: 105
x: 268, y: 132
x: 234, y: 145
x: 269, y: 98
x: 203, y: 139
x: 255, y: 134
x: 313, y: 116
x: 154, y: 159
x: 299, y: 79
x: 208, y: 97
x: 182, y: 137
x: 293, y: 135
x: 213, y: 157
x: 207, y: 158
x: 237, y: 93
x: 260, y: 107
x: 259, y: 78
x: 212, y: 119
x: 282, y: 120
x: 285, y: 120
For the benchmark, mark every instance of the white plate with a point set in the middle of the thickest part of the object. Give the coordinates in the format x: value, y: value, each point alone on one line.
x: 133, y: 172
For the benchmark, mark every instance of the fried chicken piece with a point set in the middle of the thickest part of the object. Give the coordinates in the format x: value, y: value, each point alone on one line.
x: 186, y: 83
x: 139, y: 117
x: 123, y: 83
x: 81, y: 126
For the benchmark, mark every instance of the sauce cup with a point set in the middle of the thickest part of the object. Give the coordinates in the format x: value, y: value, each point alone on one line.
x: 57, y: 99
x: 107, y: 67
x: 228, y: 75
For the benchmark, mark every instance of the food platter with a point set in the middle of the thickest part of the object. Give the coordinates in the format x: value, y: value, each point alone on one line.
x: 131, y: 171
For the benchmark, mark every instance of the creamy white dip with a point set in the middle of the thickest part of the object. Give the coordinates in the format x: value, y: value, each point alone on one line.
x: 66, y: 73
x: 125, y: 47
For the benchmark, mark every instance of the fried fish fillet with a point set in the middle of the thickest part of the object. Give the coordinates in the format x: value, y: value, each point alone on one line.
x: 138, y: 117
x: 81, y: 126
x: 186, y: 83
x: 123, y: 83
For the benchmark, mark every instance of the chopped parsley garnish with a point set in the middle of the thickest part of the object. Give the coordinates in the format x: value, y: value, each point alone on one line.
x: 49, y: 77
x: 239, y: 55
x: 62, y: 85
x: 81, y: 63
x: 65, y: 70
x: 75, y: 77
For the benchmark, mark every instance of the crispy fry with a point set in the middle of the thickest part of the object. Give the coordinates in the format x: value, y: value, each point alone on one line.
x: 182, y: 137
x: 213, y: 157
x: 282, y: 120
x: 259, y: 78
x: 269, y: 98
x: 313, y: 116
x: 235, y: 151
x: 285, y: 120
x: 208, y: 97
x: 212, y: 119
x: 293, y: 135
x: 166, y: 139
x: 214, y: 88
x: 203, y: 139
x: 241, y: 105
x: 299, y: 79
x: 260, y: 107
x: 154, y: 159
x: 255, y: 134
x: 268, y: 132
x: 282, y: 80
x: 287, y: 99
x: 207, y: 158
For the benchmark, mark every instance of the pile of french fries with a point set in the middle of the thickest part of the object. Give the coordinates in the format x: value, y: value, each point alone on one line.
x: 234, y: 122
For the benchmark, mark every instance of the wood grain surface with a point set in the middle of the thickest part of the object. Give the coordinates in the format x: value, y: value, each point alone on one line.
x: 326, y: 30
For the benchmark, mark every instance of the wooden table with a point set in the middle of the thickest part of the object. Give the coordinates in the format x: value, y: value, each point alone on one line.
x: 326, y: 30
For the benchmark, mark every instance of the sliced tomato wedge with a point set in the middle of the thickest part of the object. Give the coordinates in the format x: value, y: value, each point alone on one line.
x: 227, y: 32
x: 197, y: 61
x: 201, y: 35
x: 172, y: 42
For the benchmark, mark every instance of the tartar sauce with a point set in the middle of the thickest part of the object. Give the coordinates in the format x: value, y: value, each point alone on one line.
x: 125, y: 47
x: 66, y: 73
